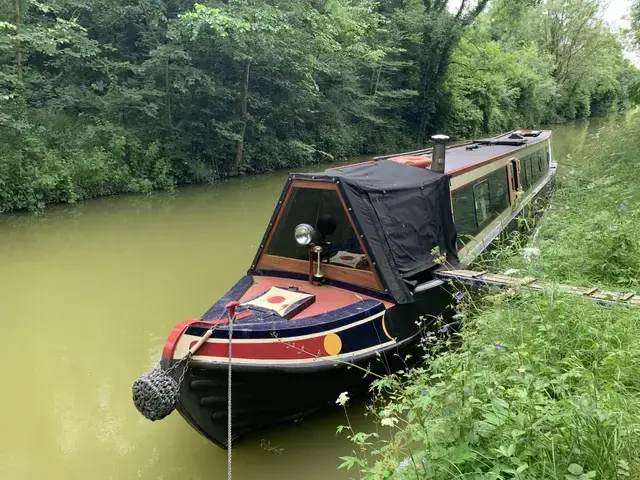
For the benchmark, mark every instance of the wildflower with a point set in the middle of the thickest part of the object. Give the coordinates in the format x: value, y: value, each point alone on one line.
x: 530, y: 253
x: 521, y: 370
x: 403, y: 464
x: 444, y: 329
x: 426, y: 338
x: 410, y: 372
x: 343, y: 398
x: 498, y: 346
x: 460, y: 295
x: 389, y: 422
x: 425, y: 393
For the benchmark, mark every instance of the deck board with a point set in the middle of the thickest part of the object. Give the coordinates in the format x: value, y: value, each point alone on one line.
x: 471, y: 277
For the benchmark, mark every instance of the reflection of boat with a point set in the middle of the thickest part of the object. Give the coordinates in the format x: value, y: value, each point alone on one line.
x: 343, y: 273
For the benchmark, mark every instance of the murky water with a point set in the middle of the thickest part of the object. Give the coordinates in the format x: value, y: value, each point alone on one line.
x: 88, y: 295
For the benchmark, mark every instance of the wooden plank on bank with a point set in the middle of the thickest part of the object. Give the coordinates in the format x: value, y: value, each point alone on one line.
x: 484, y: 278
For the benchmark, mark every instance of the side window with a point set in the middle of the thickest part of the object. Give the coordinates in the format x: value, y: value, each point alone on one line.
x: 482, y: 200
x: 464, y: 214
x: 529, y: 167
x: 524, y: 169
x: 498, y: 189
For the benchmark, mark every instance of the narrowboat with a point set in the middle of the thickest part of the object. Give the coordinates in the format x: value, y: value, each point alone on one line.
x: 343, y: 273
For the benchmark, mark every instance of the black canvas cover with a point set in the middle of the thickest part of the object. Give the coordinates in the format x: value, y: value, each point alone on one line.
x: 403, y: 212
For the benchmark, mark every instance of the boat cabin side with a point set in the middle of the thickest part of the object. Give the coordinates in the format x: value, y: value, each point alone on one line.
x: 488, y: 196
x: 315, y: 233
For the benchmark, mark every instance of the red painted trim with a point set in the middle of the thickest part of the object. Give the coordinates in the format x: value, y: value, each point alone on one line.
x: 174, y: 336
x: 297, y: 349
x: 177, y: 331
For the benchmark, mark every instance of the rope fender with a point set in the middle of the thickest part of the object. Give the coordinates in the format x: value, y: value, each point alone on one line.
x: 155, y: 393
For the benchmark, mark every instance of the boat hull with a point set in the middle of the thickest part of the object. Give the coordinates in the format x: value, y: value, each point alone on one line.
x: 263, y: 396
x: 266, y: 394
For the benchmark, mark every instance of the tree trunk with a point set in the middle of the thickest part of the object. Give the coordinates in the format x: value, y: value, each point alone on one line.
x: 167, y: 92
x: 377, y: 81
x: 244, y: 93
x: 18, y: 20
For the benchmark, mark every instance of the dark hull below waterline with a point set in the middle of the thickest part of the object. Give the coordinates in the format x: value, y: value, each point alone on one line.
x: 262, y: 397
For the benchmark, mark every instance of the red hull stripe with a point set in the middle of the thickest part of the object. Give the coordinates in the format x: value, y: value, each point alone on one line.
x: 174, y: 336
x: 307, y: 348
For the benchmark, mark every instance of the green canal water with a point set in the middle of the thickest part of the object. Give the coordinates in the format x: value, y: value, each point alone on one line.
x: 89, y: 293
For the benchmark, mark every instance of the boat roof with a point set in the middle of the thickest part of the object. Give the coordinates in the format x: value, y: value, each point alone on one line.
x: 459, y: 157
x: 480, y: 151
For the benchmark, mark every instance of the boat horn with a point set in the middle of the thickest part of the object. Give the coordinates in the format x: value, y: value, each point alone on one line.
x: 318, y: 275
x: 439, y: 152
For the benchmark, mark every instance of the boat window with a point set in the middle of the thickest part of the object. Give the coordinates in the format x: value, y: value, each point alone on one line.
x: 528, y: 171
x: 482, y: 200
x: 464, y: 214
x: 323, y: 210
x: 498, y: 190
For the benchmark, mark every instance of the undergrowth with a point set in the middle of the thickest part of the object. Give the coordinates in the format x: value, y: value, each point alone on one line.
x: 536, y: 385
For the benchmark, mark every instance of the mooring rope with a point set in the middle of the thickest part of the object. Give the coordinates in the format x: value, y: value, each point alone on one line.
x: 229, y: 436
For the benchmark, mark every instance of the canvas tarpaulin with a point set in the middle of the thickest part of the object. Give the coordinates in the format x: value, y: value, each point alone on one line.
x: 403, y: 213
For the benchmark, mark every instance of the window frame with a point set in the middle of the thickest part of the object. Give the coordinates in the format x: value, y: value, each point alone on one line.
x: 362, y: 278
x: 488, y: 200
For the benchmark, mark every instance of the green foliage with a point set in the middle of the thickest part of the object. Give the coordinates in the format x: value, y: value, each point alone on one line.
x: 537, y: 384
x: 148, y: 94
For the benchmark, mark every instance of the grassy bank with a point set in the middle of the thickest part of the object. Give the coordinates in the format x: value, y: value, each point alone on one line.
x: 539, y: 385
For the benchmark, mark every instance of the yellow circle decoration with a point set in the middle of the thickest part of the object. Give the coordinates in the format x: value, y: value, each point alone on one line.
x: 332, y: 344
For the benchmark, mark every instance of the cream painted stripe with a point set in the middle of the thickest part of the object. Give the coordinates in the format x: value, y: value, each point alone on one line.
x: 476, y: 174
x: 185, y: 340
x: 469, y: 177
x: 290, y: 361
x: 301, y: 337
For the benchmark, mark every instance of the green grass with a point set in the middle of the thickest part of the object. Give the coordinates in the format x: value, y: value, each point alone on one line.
x: 539, y: 385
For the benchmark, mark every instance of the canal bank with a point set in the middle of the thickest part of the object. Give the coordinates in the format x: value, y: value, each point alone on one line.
x: 541, y: 385
x: 90, y: 292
